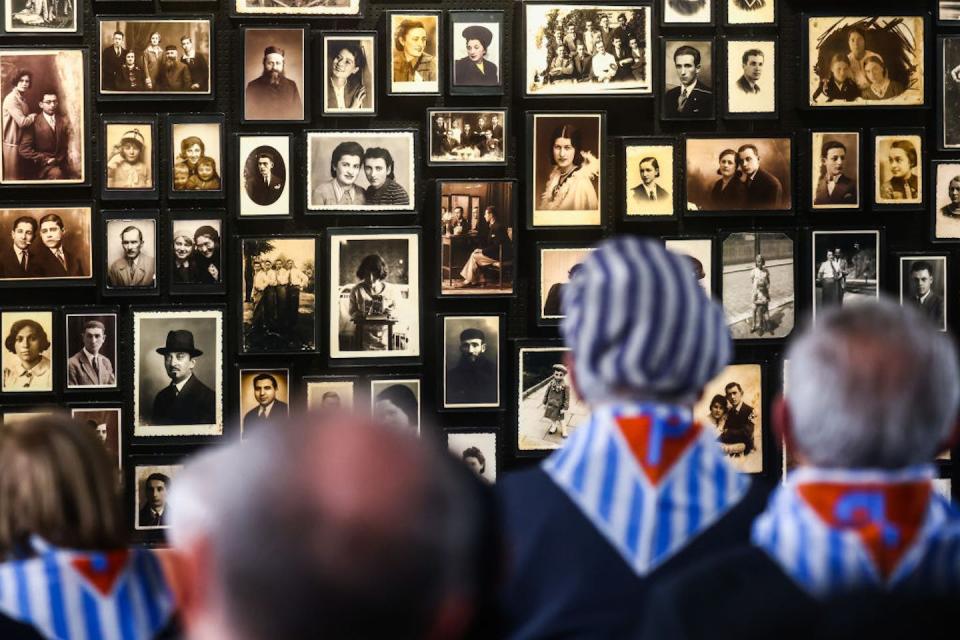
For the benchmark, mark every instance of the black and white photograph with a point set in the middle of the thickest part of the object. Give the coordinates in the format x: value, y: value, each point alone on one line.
x: 264, y: 176
x: 264, y: 399
x: 350, y: 68
x: 751, y: 174
x: 732, y: 404
x: 28, y: 351
x: 48, y: 245
x: 846, y: 267
x: 898, y: 169
x: 130, y: 258
x: 477, y: 449
x: 588, y: 48
x: 650, y: 177
x: 865, y: 61
x: 558, y: 263
x: 295, y: 8
x: 948, y: 11
x: 195, y: 155
x: 549, y: 409
x: 374, y: 293
x: 948, y: 115
x: 923, y: 283
x: 274, y: 74
x: 751, y: 12
x: 156, y: 57
x: 196, y: 260
x: 751, y: 78
x: 91, y: 353
x: 477, y: 237
x: 395, y: 402
x: 476, y: 41
x: 759, y: 277
x: 129, y: 157
x: 679, y: 13
x: 178, y: 372
x: 471, y: 348
x: 105, y: 423
x: 152, y: 489
x: 468, y: 136
x: 946, y: 201
x: 835, y: 170
x: 689, y: 79
x: 414, y: 45
x: 42, y: 17
x: 44, y: 114
x: 361, y: 171
x: 699, y: 252
x: 326, y: 393
x: 279, y: 294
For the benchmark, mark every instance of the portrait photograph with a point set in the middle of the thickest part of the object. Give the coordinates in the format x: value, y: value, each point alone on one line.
x: 689, y: 79
x: 295, y: 8
x: 105, y: 422
x: 558, y: 263
x: 477, y: 237
x: 898, y: 169
x: 264, y: 399
x: 477, y: 449
x: 155, y: 57
x: 751, y: 78
x: 751, y: 12
x: 395, y: 402
x: 476, y: 65
x: 279, y: 294
x: 846, y: 266
x: 263, y: 182
x: 195, y: 156
x: 326, y: 393
x: 732, y: 404
x: 350, y: 65
x: 759, y: 278
x: 923, y: 283
x: 751, y: 174
x: 468, y: 136
x: 152, y: 487
x: 27, y: 351
x: 130, y: 258
x: 699, y: 252
x: 196, y: 261
x: 91, y: 352
x: 274, y: 74
x: 949, y: 115
x: 650, y: 177
x: 414, y: 39
x: 471, y: 350
x: 869, y: 61
x: 178, y: 372
x: 48, y: 245
x: 549, y: 409
x: 588, y: 49
x: 360, y: 171
x: 35, y: 17
x: 129, y: 157
x: 946, y: 205
x: 835, y: 170
x: 374, y: 293
x: 686, y: 12
x: 566, y: 169
x: 44, y: 108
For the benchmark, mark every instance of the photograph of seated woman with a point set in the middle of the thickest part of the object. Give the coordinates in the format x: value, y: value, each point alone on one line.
x: 475, y: 69
x: 346, y: 88
x: 199, y: 169
x: 570, y: 184
x: 373, y: 305
x: 25, y: 367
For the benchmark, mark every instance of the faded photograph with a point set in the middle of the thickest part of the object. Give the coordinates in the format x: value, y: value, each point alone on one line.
x: 700, y: 253
x: 923, y: 283
x: 946, y: 206
x: 751, y: 173
x: 475, y: 137
x: 758, y: 284
x: 273, y: 74
x: 566, y: 167
x: 329, y: 394
x: 751, y: 76
x: 898, y: 169
x: 835, y: 170
x: 732, y: 403
x: 27, y: 351
x: 649, y: 179
x: 395, y: 402
x: 557, y: 266
x: 414, y: 62
x: 549, y: 408
x: 478, y: 450
x: 105, y: 423
x: 681, y: 12
x: 846, y: 265
x: 46, y: 244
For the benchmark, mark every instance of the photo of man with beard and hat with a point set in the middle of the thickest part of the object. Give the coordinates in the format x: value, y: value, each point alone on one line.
x: 274, y: 74
x: 471, y: 361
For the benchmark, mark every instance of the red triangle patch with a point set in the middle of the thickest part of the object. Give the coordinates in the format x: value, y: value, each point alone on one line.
x: 637, y: 431
x: 886, y: 517
x: 101, y: 569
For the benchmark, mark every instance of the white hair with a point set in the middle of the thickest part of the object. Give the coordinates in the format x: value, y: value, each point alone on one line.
x: 873, y: 385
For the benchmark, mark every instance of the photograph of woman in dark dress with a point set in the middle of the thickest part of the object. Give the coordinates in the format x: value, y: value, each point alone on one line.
x: 475, y: 69
x: 728, y: 191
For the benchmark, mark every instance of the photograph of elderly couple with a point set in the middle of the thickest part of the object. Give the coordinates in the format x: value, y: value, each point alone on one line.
x: 45, y: 244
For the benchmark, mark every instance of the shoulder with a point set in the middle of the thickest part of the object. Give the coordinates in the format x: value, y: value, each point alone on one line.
x: 701, y: 90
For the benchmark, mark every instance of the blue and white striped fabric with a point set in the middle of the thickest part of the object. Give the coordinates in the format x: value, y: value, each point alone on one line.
x: 636, y: 319
x: 47, y: 592
x: 645, y: 523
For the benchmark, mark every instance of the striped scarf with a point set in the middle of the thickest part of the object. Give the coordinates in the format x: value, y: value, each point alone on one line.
x: 648, y: 478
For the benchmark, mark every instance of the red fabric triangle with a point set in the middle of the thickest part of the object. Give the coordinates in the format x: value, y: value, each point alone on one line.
x: 102, y: 572
x: 636, y: 430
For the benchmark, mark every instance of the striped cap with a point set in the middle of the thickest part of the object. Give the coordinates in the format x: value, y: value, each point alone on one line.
x: 638, y: 322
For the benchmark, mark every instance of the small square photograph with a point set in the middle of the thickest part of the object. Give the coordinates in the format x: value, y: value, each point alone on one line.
x: 751, y: 173
x: 476, y: 39
x: 478, y: 450
x: 700, y: 253
x: 649, y: 178
x: 687, y: 12
x: 948, y: 10
x: 395, y: 402
x: 557, y: 266
x: 688, y: 80
x: 758, y: 285
x: 41, y: 17
x: 296, y: 8
x: 846, y: 265
x: 330, y: 394
x: 264, y: 399
x: 751, y: 77
x: 947, y: 201
x: 468, y: 136
x: 106, y: 424
x: 471, y: 362
x: 744, y: 12
x: 898, y: 169
x: 152, y: 486
x: 91, y: 350
x: 274, y: 74
x: 923, y: 283
x: 835, y: 167
x: 130, y: 149
x: 415, y: 43
x: 566, y: 169
x: 196, y: 157
x: 27, y: 351
x: 350, y: 65
x: 949, y: 115
x: 195, y: 260
x: 732, y: 403
x: 264, y: 180
x: 49, y: 244
x: 131, y: 252
x: 549, y: 408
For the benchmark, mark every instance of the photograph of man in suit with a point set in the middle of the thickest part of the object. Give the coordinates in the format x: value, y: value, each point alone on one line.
x: 648, y: 190
x: 88, y: 367
x: 764, y: 190
x: 111, y: 60
x: 923, y: 295
x: 134, y: 268
x: 153, y: 511
x: 269, y: 409
x: 15, y: 258
x: 43, y: 146
x: 741, y: 419
x: 494, y: 246
x: 174, y: 74
x: 692, y: 98
x: 582, y: 63
x: 473, y: 378
x: 833, y: 187
x: 265, y: 187
x: 752, y: 61
x: 197, y: 64
x: 272, y: 95
x: 51, y: 259
x: 186, y: 400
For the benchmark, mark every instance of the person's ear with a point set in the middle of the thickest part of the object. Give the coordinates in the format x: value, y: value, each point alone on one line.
x: 782, y: 422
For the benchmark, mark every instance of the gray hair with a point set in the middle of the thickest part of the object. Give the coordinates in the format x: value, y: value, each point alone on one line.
x: 873, y: 385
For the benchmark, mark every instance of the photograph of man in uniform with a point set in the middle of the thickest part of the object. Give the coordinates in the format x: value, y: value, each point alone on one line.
x: 272, y: 95
x: 135, y: 268
x: 692, y: 98
x: 472, y: 380
x: 88, y: 367
x: 155, y: 490
x: 269, y: 409
x: 187, y: 400
x: 925, y: 290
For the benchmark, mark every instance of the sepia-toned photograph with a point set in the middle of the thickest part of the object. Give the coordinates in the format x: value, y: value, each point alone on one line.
x: 549, y: 409
x: 39, y: 17
x: 588, y: 49
x: 350, y: 65
x: 27, y: 351
x: 759, y: 299
x: 835, y: 169
x: 414, y: 39
x: 195, y: 154
x: 898, y: 169
x: 129, y: 156
x: 846, y: 266
x: 44, y: 115
x: 395, y: 402
x: 49, y: 244
x: 91, y: 351
x: 946, y: 206
x: 274, y: 74
x: 751, y: 173
x: 264, y: 178
x: 264, y: 399
x: 131, y: 253
x: 751, y: 77
x: 477, y: 42
x: 296, y: 8
x: 468, y: 136
x: 686, y: 12
x: 732, y: 403
x: 471, y: 361
x: 949, y: 115
x: 477, y: 449
x: 871, y: 61
x: 105, y: 423
x: 689, y: 79
x: 751, y: 12
x: 923, y: 283
x: 178, y: 372
x: 557, y: 265
x: 279, y: 294
x: 477, y: 237
x: 650, y: 183
x: 196, y: 261
x: 152, y: 488
x: 699, y: 252
x: 330, y: 394
x: 948, y: 10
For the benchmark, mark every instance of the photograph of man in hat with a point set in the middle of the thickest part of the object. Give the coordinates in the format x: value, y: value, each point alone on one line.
x: 556, y: 400
x: 128, y: 166
x: 186, y: 400
x: 272, y: 95
x: 475, y: 69
x: 472, y: 379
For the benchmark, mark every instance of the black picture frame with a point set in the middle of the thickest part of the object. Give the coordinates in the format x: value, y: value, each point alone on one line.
x: 729, y: 114
x: 627, y: 201
x: 502, y: 113
x: 916, y: 256
x: 441, y: 324
x: 116, y: 346
x: 38, y: 211
x: 241, y: 200
x: 663, y: 94
x: 922, y: 163
x: 171, y: 122
x: 455, y: 17
x: 375, y: 76
x: 196, y: 215
x: 542, y: 297
x: 55, y: 339
x: 390, y: 51
x: 934, y: 206
x: 688, y: 24
x: 304, y: 91
x: 129, y: 193
x: 811, y: 159
x: 151, y: 215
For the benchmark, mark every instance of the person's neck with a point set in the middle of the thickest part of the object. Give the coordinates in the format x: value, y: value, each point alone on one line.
x: 27, y: 366
x: 338, y: 82
x: 410, y: 59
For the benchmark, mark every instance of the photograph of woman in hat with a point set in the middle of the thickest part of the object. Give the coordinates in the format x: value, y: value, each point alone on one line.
x: 557, y: 400
x: 128, y: 165
x: 475, y: 69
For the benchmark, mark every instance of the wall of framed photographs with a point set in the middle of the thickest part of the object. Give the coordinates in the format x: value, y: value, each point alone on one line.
x: 217, y: 214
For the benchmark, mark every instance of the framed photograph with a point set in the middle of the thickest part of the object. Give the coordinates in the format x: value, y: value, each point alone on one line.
x: 374, y: 306
x: 566, y: 178
x: 297, y: 9
x: 471, y: 347
x: 195, y: 153
x: 948, y: 12
x: 595, y: 49
x: 46, y: 246
x: 93, y: 357
x: 264, y: 399
x: 948, y: 116
x: 477, y: 449
x: 477, y: 237
x: 350, y: 65
x: 759, y: 284
x: 151, y: 488
x: 752, y: 70
x: 361, y: 171
x: 864, y: 61
x: 31, y: 18
x: 753, y: 173
x: 946, y: 201
x: 557, y: 262
x: 130, y: 241
x: 468, y: 136
x: 846, y: 267
x: 330, y: 393
x: 650, y: 178
x: 750, y: 12
x: 28, y: 350
x: 682, y: 13
x: 128, y: 156
x: 45, y: 107
x: 395, y: 402
x: 196, y: 257
x: 699, y: 250
x: 835, y: 173
x: 688, y: 87
x: 264, y: 175
x: 476, y: 43
x: 105, y: 421
x: 278, y: 289
x: 898, y: 160
x: 177, y: 372
x: 733, y: 404
x: 923, y: 283
x: 414, y: 43
x: 274, y: 74
x: 12, y: 417
x: 548, y: 407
